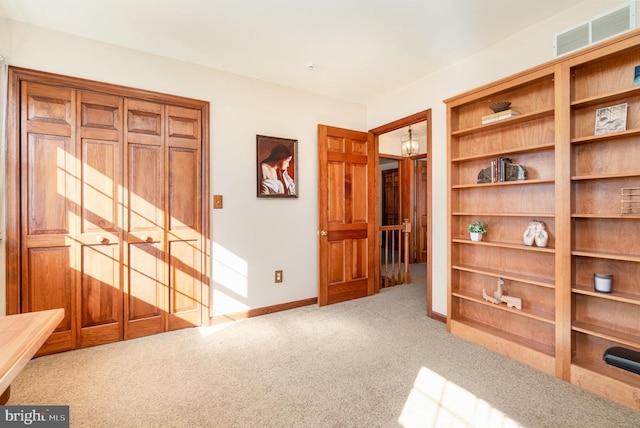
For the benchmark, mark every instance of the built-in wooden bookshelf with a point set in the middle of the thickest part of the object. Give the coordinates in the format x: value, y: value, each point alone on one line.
x: 604, y: 239
x: 574, y: 184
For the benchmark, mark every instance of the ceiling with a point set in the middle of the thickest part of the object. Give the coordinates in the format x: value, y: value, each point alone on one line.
x: 359, y: 49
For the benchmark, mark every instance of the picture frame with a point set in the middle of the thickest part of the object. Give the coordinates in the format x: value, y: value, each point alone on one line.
x: 611, y: 119
x: 276, y: 167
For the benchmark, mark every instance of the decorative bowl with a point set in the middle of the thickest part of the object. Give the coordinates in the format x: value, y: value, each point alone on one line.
x: 501, y: 106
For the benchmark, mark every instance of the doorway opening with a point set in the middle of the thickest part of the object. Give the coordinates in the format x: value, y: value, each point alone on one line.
x: 404, y: 189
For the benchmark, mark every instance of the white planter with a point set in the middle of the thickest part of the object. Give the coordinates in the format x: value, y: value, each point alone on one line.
x: 476, y: 236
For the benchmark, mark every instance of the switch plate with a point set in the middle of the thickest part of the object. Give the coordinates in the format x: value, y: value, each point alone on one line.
x: 278, y: 276
x: 217, y: 202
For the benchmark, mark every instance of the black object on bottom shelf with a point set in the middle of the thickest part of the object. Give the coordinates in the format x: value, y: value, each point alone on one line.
x: 624, y: 358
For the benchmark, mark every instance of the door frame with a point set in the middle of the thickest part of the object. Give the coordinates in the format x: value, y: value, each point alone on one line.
x: 407, y: 182
x: 13, y: 167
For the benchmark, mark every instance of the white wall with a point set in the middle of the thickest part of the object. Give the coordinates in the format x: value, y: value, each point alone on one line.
x: 251, y: 237
x: 524, y: 50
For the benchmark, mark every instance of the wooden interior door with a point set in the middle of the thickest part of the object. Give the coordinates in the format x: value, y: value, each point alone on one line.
x: 99, y: 143
x: 347, y: 174
x: 49, y: 206
x: 390, y: 197
x: 146, y: 294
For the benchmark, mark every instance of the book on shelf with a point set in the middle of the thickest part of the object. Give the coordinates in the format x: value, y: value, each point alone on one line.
x: 636, y: 75
x: 496, y: 172
x: 505, y: 114
x: 499, y: 167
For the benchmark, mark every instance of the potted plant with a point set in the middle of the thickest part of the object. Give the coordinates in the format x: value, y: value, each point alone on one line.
x: 477, y: 229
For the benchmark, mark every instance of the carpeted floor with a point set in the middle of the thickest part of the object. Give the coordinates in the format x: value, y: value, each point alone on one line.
x: 373, y: 362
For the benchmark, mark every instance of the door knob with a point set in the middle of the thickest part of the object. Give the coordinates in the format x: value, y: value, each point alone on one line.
x: 323, y: 232
x: 99, y: 238
x: 145, y: 238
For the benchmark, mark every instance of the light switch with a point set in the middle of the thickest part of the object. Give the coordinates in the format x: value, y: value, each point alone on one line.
x: 217, y: 202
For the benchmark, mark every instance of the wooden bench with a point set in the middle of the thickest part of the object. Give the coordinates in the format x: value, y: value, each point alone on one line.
x: 21, y: 336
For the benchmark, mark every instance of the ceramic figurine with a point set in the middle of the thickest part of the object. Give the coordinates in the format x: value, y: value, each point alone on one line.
x: 536, y: 232
x: 499, y: 297
x: 542, y: 236
x: 529, y: 235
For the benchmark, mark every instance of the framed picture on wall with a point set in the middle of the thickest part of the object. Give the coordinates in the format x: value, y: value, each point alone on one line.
x: 277, y: 167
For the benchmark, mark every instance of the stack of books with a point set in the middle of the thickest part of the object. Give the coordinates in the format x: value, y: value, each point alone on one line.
x: 505, y: 114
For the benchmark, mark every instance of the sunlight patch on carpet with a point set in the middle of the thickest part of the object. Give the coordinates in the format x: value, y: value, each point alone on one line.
x: 212, y: 329
x: 436, y: 402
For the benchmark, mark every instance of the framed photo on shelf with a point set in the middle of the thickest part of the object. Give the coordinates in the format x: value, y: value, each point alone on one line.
x: 611, y: 119
x: 277, y: 162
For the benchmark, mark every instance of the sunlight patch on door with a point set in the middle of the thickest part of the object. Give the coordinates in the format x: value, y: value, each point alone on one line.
x: 436, y: 402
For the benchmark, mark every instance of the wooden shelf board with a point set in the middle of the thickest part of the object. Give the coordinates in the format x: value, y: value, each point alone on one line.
x: 613, y: 383
x: 537, y: 315
x: 623, y: 338
x: 507, y: 214
x: 633, y: 299
x: 537, y: 355
x: 605, y: 176
x: 606, y: 137
x: 608, y: 256
x: 547, y: 283
x: 608, y: 216
x: 504, y: 183
x: 521, y: 247
x: 605, y: 98
x: 524, y: 117
x: 494, y: 154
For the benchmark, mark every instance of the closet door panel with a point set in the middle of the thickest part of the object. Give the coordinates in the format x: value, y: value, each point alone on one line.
x: 183, y: 147
x: 49, y: 206
x: 183, y: 190
x: 50, y: 285
x: 185, y: 284
x: 100, y: 295
x: 100, y: 144
x: 145, y: 266
x: 147, y: 295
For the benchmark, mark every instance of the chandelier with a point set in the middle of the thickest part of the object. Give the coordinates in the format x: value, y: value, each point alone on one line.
x: 409, y: 144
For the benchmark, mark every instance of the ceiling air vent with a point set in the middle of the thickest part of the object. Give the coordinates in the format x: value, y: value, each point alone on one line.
x: 610, y: 24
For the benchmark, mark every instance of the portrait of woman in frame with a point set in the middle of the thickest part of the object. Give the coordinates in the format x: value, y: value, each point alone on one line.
x: 276, y: 167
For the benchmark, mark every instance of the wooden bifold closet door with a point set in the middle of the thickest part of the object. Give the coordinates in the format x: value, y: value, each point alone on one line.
x: 111, y: 223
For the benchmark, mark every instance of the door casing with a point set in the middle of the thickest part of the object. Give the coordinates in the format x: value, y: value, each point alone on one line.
x: 407, y: 182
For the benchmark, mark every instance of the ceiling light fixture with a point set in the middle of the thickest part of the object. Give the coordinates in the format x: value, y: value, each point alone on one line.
x: 409, y: 144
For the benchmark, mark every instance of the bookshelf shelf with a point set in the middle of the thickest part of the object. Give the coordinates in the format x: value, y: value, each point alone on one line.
x: 523, y: 118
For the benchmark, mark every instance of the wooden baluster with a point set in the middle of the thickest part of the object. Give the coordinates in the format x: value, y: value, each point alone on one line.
x: 406, y: 232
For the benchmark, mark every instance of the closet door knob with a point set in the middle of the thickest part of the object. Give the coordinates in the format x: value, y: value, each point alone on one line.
x: 145, y: 238
x: 99, y: 239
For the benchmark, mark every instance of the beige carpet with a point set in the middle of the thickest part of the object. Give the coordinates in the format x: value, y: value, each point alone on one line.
x: 373, y: 362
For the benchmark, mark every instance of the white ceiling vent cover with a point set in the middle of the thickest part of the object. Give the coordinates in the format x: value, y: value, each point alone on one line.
x: 610, y: 24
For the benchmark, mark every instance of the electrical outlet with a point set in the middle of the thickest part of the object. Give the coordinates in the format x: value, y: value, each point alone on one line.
x: 278, y: 276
